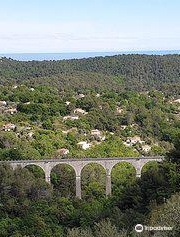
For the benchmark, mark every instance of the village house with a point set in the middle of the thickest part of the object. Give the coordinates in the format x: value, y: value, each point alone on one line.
x: 63, y: 151
x: 119, y: 110
x: 84, y: 145
x: 8, y: 127
x: 98, y: 134
x: 98, y: 95
x: 69, y: 117
x: 123, y: 127
x: 80, y: 111
x: 176, y: 101
x: 3, y: 103
x: 146, y: 148
x: 80, y: 96
x: 134, y: 140
x: 95, y: 132
x: 32, y: 89
x: 30, y: 135
x: 67, y: 102
x: 10, y: 111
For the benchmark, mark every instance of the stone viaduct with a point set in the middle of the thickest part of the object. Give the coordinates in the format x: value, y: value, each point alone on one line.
x: 79, y: 164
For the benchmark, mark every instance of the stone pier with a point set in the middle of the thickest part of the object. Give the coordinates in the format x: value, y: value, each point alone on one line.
x: 78, y: 187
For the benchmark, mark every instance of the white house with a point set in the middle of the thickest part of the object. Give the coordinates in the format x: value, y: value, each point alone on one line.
x: 176, y: 101
x: 146, y: 148
x: 123, y: 127
x: 134, y: 140
x: 67, y: 102
x: 84, y: 145
x: 30, y: 134
x: 80, y: 96
x: 119, y: 110
x: 95, y: 132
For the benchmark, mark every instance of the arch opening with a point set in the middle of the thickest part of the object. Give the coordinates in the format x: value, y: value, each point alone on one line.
x: 149, y: 166
x: 122, y: 174
x: 93, y: 181
x: 63, y: 179
x: 36, y: 170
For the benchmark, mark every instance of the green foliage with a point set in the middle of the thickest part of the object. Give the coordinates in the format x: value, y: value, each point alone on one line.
x: 79, y: 233
x: 106, y: 229
x: 143, y: 87
x: 93, y: 181
x: 137, y: 72
x: 167, y: 215
x: 63, y: 180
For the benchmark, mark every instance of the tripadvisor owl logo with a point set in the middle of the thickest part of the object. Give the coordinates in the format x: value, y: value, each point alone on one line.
x: 139, y: 228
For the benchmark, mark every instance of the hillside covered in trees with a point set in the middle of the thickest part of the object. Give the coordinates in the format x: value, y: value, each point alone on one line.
x: 120, y: 106
x: 134, y: 72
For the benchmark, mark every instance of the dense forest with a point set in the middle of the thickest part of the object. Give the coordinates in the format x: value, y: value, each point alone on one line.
x: 120, y: 106
x: 133, y: 72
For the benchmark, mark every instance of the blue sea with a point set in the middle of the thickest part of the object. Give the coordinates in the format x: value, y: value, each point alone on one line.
x: 61, y: 56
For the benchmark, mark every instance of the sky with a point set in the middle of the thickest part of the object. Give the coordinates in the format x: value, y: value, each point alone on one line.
x: 58, y: 26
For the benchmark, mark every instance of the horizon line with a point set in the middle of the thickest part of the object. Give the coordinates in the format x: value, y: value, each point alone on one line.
x: 75, y: 52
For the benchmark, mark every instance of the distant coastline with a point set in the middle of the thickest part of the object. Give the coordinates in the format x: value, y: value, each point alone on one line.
x: 62, y: 56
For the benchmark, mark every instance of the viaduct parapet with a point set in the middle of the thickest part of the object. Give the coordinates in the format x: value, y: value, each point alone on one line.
x: 79, y: 164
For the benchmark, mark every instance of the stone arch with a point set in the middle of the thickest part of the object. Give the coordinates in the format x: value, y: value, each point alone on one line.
x: 63, y: 179
x: 91, y: 173
x: 63, y: 163
x: 129, y: 163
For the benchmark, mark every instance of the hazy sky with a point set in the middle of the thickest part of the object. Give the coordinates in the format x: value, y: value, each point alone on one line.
x: 88, y: 25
